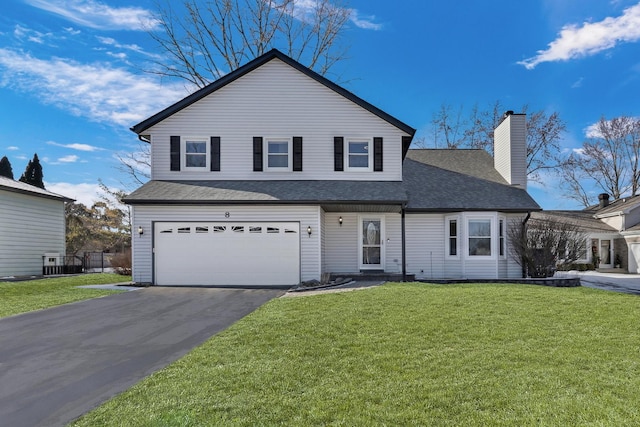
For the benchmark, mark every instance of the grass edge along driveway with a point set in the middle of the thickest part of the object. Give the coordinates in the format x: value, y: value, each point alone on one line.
x: 30, y: 295
x: 406, y: 354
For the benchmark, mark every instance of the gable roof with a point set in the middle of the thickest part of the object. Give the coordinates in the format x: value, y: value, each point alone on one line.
x: 583, y: 219
x: 623, y: 205
x: 459, y: 180
x: 254, y: 64
x: 13, y: 186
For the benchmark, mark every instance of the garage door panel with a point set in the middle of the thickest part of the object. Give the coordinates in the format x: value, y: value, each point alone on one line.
x: 227, y: 253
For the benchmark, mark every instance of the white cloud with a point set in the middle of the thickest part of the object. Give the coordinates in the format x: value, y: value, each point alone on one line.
x: 96, y: 91
x: 590, y: 38
x: 366, y: 22
x: 13, y: 148
x: 84, y: 193
x: 577, y: 83
x: 68, y: 159
x: 305, y: 10
x: 76, y: 146
x: 94, y: 14
x: 22, y: 33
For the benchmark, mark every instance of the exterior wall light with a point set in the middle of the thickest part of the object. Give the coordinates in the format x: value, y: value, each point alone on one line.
x: 340, y: 221
x: 140, y: 230
x: 309, y: 231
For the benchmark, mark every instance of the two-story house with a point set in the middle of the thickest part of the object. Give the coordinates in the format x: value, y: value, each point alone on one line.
x: 274, y: 175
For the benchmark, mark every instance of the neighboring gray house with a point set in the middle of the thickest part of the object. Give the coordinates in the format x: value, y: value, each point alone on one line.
x: 612, y: 230
x: 32, y: 223
x: 274, y: 175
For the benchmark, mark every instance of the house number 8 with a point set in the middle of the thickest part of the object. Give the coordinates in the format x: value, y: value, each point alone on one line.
x: 227, y: 214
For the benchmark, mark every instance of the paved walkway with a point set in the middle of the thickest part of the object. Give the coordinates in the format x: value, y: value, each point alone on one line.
x: 626, y: 283
x: 59, y: 363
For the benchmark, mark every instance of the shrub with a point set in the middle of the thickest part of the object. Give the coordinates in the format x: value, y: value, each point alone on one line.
x: 121, y: 263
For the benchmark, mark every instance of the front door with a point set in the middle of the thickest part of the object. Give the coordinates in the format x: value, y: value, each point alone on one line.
x: 371, y: 238
x: 605, y: 254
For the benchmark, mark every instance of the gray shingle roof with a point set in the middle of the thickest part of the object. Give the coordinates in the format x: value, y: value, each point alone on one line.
x: 459, y: 180
x: 619, y: 205
x: 9, y: 184
x: 583, y: 219
x: 299, y: 192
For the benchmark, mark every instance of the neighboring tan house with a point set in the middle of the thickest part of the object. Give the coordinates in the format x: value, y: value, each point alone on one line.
x: 273, y: 175
x: 612, y: 230
x: 32, y: 224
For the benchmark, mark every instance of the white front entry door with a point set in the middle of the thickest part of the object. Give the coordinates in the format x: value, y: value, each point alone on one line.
x: 227, y: 253
x: 371, y: 238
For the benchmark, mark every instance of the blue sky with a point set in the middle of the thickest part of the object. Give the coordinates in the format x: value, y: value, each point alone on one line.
x: 72, y: 80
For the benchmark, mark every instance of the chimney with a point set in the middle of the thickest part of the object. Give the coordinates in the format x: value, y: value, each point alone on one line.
x: 510, y: 149
x: 603, y: 200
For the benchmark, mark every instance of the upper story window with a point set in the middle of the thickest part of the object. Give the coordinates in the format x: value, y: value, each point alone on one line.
x: 196, y: 153
x: 479, y: 231
x: 278, y: 154
x: 358, y: 154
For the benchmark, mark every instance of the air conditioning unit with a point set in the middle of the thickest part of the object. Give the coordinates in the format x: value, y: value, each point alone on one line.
x: 52, y: 259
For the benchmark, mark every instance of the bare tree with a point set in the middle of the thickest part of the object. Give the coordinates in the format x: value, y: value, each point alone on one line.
x: 207, y: 40
x: 545, y: 243
x: 607, y: 160
x: 453, y: 129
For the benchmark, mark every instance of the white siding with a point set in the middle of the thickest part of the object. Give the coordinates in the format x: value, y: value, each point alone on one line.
x: 276, y: 100
x: 342, y: 246
x: 144, y: 216
x: 29, y: 227
x: 510, y: 149
x: 426, y: 250
x: 425, y: 245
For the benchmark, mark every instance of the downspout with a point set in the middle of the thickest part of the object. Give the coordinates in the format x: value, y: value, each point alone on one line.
x: 404, y: 247
x: 524, y: 230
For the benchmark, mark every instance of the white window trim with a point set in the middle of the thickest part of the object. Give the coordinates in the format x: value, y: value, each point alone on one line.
x: 369, y: 142
x: 447, y: 220
x: 383, y: 264
x: 493, y: 236
x: 504, y: 237
x: 183, y: 153
x: 265, y: 150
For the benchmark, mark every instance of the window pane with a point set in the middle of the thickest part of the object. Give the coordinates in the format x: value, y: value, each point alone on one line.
x: 358, y: 161
x: 453, y: 228
x: 371, y: 255
x: 196, y: 147
x: 453, y: 246
x: 371, y: 232
x: 278, y: 147
x: 278, y: 161
x: 480, y: 228
x: 196, y: 160
x: 479, y: 246
x: 359, y: 147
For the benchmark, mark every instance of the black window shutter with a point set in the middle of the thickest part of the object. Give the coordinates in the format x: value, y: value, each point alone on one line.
x: 215, y: 154
x: 174, y: 149
x: 338, y: 153
x: 297, y: 153
x: 257, y: 154
x: 377, y: 154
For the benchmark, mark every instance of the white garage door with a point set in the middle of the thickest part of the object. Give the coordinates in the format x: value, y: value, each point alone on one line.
x: 227, y: 253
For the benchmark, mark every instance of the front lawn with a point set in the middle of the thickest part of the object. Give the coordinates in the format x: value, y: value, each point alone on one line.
x: 20, y: 297
x: 406, y: 354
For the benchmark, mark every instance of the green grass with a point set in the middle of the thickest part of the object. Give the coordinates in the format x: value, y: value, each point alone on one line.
x: 21, y: 297
x: 406, y: 354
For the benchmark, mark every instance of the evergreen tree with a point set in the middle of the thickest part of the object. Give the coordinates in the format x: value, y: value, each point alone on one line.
x: 33, y: 173
x: 5, y: 168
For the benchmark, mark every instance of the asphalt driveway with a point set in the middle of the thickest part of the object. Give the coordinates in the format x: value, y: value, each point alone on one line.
x: 59, y: 363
